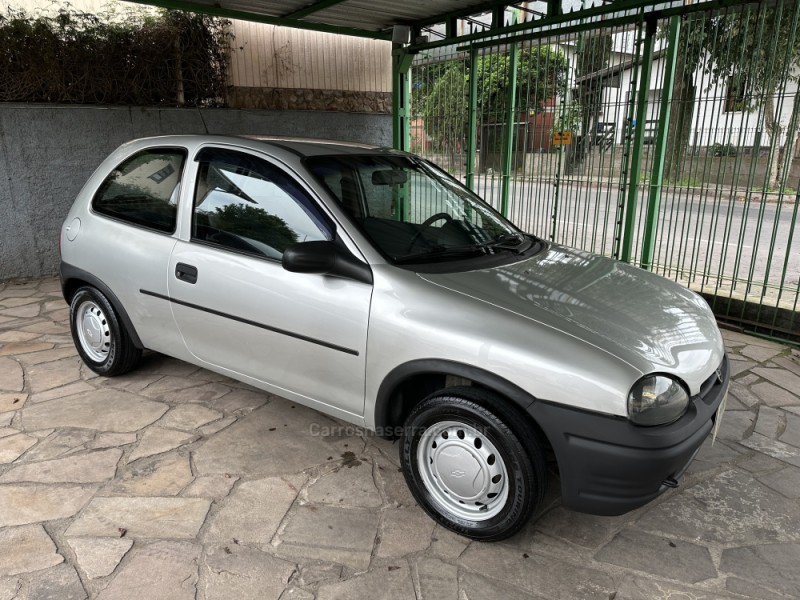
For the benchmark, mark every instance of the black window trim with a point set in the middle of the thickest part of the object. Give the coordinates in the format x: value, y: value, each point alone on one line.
x: 185, y: 151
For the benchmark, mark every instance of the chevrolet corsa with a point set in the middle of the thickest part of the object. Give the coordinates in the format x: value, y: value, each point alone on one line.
x: 370, y: 285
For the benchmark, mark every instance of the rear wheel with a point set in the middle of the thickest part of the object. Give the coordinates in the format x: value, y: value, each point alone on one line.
x: 471, y: 465
x: 100, y: 337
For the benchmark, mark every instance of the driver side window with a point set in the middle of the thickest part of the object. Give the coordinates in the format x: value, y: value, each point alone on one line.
x: 245, y: 204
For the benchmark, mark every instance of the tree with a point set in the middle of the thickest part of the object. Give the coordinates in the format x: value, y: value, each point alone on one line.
x: 761, y: 56
x: 541, y: 74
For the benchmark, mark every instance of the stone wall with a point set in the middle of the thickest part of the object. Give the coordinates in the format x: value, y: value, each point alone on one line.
x: 47, y: 153
x: 309, y: 99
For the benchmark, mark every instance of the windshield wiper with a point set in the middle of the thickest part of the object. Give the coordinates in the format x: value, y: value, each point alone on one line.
x: 440, y: 252
x: 515, y: 242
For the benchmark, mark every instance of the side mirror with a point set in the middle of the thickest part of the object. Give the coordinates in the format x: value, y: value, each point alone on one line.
x: 325, y: 258
x: 310, y: 257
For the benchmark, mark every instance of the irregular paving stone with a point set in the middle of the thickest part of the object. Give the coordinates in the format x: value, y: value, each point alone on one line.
x: 58, y: 443
x: 393, y: 483
x: 247, y: 518
x: 210, y: 486
x: 347, y: 486
x: 59, y: 583
x: 158, y: 440
x: 98, y: 557
x: 243, y: 573
x: 437, y: 580
x: 188, y: 417
x: 773, y: 566
x: 730, y: 508
x: 135, y: 381
x: 384, y: 583
x: 760, y: 463
x: 748, y: 589
x: 477, y: 587
x: 241, y: 400
x: 168, y: 386
x: 789, y: 363
x: 12, y: 401
x: 11, y: 377
x: 736, y: 424
x: 674, y: 559
x: 13, y: 336
x: 29, y: 310
x: 23, y: 504
x: 26, y: 549
x: 293, y: 593
x: 103, y: 410
x: 159, y: 571
x: 542, y: 575
x: 7, y: 431
x: 6, y: 418
x: 166, y: 365
x: 772, y: 395
x: 92, y: 467
x: 786, y: 481
x: 786, y: 379
x: 318, y: 573
x: 447, y: 544
x: 271, y: 440
x: 638, y: 588
x: 774, y: 448
x: 341, y: 535
x: 36, y: 358
x: 770, y: 421
x: 584, y: 530
x: 13, y: 446
x: 743, y: 395
x: 165, y: 476
x: 62, y: 392
x: 18, y: 348
x: 216, y: 426
x: 179, y: 518
x: 111, y: 440
x: 203, y: 393
x: 760, y: 353
x: 738, y: 366
x: 10, y: 588
x: 791, y: 435
x: 54, y: 374
x: 403, y: 531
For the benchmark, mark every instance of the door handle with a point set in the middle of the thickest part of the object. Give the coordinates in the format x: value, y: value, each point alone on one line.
x: 186, y: 273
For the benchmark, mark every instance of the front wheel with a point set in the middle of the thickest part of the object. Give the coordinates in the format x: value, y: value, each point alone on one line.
x: 100, y: 337
x: 468, y: 468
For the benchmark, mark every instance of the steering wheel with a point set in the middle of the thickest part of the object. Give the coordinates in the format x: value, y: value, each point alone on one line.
x: 424, y: 226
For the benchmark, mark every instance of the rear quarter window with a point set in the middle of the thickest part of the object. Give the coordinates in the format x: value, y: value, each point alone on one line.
x: 143, y: 190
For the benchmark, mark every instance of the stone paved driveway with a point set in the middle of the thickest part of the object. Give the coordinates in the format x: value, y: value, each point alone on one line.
x: 173, y: 482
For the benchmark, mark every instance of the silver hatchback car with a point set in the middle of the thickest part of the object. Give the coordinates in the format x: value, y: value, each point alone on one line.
x: 370, y: 285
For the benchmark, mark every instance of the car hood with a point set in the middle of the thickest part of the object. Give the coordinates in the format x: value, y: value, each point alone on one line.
x: 648, y: 321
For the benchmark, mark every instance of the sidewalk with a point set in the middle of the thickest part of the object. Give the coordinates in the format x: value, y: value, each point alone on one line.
x: 173, y: 482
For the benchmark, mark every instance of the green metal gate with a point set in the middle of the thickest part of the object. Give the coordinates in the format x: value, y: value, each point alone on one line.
x: 660, y: 134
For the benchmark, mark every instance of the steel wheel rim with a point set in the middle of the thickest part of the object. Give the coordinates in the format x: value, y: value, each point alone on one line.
x: 94, y: 333
x: 462, y: 470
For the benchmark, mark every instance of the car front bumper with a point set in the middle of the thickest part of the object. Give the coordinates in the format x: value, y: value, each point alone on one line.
x: 609, y: 466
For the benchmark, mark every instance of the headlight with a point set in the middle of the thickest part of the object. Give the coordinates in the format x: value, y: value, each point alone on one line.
x: 657, y: 400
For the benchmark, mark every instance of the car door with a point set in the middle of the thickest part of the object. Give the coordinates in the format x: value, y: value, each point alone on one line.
x: 303, y: 335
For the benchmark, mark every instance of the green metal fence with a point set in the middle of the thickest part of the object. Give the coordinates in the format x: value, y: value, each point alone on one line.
x: 663, y: 135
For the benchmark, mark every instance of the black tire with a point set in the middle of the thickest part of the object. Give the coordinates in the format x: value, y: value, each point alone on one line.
x: 490, y: 424
x: 104, y: 344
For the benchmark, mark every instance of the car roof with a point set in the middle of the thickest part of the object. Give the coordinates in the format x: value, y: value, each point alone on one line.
x: 317, y: 147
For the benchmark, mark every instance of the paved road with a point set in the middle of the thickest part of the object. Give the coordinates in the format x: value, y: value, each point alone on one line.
x: 175, y: 483
x: 691, y: 245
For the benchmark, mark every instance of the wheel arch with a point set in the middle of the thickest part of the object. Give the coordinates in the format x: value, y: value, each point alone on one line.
x: 73, y: 278
x: 408, y: 384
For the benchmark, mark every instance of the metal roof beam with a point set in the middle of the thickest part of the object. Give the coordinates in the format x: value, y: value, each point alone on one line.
x: 312, y: 8
x: 218, y: 11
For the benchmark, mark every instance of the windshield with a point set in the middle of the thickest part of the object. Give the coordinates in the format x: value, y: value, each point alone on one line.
x: 414, y: 212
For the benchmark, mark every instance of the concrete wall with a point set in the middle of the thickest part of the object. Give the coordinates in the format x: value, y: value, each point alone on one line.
x: 48, y: 152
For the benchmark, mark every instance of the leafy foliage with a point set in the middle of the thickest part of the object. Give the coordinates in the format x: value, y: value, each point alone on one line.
x: 167, y: 57
x: 541, y: 74
x: 255, y: 223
